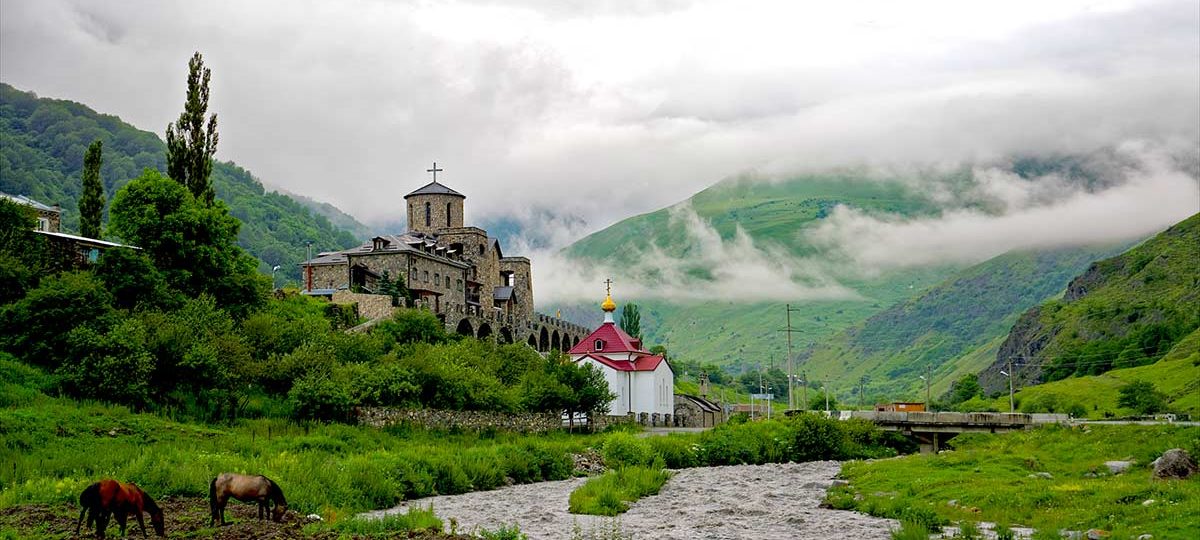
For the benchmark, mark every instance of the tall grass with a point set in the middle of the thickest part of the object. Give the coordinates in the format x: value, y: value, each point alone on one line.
x: 53, y: 448
x: 415, y: 520
x: 612, y: 492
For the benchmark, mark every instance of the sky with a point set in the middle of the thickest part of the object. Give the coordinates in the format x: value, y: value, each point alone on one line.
x: 598, y: 110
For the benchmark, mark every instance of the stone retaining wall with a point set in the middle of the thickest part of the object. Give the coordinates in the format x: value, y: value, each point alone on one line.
x: 370, y: 306
x: 467, y: 420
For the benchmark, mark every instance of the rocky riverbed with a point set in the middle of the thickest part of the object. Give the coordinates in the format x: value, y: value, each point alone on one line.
x: 765, y: 502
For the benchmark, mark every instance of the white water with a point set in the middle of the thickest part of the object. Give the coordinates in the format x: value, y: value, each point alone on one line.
x: 763, y: 502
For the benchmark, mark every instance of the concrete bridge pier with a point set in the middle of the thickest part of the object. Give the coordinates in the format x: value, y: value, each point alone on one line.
x: 930, y: 442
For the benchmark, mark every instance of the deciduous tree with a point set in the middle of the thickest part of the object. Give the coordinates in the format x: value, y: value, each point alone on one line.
x: 631, y: 320
x: 91, y: 200
x: 190, y: 145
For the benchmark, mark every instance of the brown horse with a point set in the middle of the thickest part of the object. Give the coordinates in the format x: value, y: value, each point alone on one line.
x: 245, y: 488
x: 110, y: 498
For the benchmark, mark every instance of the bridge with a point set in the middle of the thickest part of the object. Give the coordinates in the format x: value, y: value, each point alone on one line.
x: 931, y: 429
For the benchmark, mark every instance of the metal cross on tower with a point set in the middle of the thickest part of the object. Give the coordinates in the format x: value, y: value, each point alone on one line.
x: 608, y: 286
x: 434, y: 170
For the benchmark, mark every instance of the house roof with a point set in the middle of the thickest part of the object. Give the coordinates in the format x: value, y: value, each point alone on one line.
x: 390, y: 243
x: 502, y: 293
x: 615, y: 341
x: 434, y: 188
x: 21, y: 199
x: 641, y: 363
x: 83, y: 240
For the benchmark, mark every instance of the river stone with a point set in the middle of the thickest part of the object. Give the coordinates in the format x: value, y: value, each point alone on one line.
x: 1118, y: 467
x: 1174, y: 464
x: 1097, y: 534
x: 1045, y: 475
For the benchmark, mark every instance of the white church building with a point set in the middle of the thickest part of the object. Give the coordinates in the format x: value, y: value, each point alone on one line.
x: 642, y: 382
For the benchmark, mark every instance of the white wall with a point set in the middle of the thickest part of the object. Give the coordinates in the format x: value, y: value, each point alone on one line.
x: 653, y: 391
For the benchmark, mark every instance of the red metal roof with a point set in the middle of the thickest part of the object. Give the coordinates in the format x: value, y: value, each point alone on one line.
x: 641, y: 363
x: 615, y: 341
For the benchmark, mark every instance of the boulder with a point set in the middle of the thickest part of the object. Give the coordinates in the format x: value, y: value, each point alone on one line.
x: 1118, y: 467
x: 1097, y: 534
x: 1045, y: 475
x: 1174, y: 464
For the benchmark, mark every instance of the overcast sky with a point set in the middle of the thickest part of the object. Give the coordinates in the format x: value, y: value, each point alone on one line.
x: 605, y: 109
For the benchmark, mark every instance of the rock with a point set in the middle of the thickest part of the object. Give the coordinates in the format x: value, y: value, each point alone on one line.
x: 1145, y: 537
x: 1070, y: 535
x: 1147, y: 502
x: 839, y: 483
x: 313, y: 517
x: 1118, y: 467
x: 1175, y: 463
x: 1097, y: 534
x: 952, y: 502
x: 1045, y: 475
x: 1090, y: 474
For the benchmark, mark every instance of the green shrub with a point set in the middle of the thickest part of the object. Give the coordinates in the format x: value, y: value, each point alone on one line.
x: 911, y: 531
x: 677, y: 452
x: 505, y: 532
x: 612, y: 492
x: 623, y: 449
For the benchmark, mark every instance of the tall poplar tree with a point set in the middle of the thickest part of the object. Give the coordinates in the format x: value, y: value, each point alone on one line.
x: 190, y: 146
x: 91, y: 200
x: 631, y: 320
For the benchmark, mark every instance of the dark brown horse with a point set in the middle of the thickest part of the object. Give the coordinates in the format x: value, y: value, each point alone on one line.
x: 110, y: 498
x: 259, y: 489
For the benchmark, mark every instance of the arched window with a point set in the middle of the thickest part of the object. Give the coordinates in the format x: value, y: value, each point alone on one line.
x: 599, y: 344
x: 447, y: 214
x: 428, y: 214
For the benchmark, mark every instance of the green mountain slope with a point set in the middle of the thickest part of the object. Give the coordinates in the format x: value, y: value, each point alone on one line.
x: 1125, y: 311
x: 1177, y: 375
x: 42, y: 142
x: 746, y: 334
x: 951, y: 329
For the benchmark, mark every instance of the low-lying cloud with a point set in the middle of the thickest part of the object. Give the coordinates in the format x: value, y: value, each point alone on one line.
x: 1011, y: 213
x: 735, y: 269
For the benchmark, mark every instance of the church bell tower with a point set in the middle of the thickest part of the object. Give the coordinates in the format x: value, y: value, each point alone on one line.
x: 434, y: 207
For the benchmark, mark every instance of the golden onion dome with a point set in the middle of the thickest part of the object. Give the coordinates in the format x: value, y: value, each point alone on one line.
x: 608, y: 304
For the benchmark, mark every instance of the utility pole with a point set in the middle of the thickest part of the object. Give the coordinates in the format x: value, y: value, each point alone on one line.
x: 1012, y: 407
x: 804, y: 379
x: 928, y: 407
x: 791, y: 400
x: 862, y: 386
x: 825, y: 385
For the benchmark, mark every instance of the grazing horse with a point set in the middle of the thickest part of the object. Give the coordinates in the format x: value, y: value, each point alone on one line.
x: 259, y: 489
x: 112, y: 498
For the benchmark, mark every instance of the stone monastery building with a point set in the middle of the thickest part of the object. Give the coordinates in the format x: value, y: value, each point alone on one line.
x: 457, y: 271
x: 642, y: 382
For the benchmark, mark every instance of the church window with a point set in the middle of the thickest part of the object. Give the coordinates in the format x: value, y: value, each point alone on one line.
x: 458, y: 284
x: 447, y: 214
x: 481, y: 248
x: 428, y: 214
x: 599, y: 344
x: 427, y: 276
x: 437, y: 279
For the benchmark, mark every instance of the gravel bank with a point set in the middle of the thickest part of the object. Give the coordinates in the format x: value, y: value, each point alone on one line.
x: 764, y: 502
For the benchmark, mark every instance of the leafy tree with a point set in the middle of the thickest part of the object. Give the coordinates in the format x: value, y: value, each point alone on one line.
x: 133, y: 280
x: 190, y: 147
x: 1142, y: 397
x: 631, y: 320
x: 91, y: 199
x: 21, y: 250
x: 35, y: 328
x: 112, y: 366
x: 412, y: 326
x: 394, y: 288
x: 816, y: 401
x: 965, y: 388
x: 192, y: 244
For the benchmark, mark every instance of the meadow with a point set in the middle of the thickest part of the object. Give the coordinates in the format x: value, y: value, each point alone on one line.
x: 1051, y: 479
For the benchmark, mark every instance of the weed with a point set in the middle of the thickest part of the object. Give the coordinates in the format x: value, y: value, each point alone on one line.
x: 910, y: 531
x: 611, y: 493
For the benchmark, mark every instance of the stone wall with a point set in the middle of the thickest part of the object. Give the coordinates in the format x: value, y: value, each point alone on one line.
x: 438, y: 205
x: 326, y: 276
x: 370, y: 306
x: 466, y: 420
x: 523, y: 290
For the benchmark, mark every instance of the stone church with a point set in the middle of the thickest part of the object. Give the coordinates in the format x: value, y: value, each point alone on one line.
x: 457, y: 271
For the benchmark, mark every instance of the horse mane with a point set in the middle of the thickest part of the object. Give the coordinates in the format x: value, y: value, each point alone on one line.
x: 276, y: 492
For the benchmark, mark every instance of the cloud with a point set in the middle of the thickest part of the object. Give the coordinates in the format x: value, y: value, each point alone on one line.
x: 715, y: 269
x: 600, y: 110
x: 1001, y: 212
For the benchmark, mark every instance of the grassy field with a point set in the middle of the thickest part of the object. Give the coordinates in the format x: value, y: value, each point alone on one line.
x: 1177, y: 375
x: 996, y: 478
x: 612, y: 492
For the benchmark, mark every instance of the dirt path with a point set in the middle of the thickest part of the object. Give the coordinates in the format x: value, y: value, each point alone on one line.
x: 764, y: 502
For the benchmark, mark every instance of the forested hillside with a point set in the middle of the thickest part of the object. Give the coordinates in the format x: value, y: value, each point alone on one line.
x: 42, y: 143
x: 941, y: 329
x: 1122, y: 312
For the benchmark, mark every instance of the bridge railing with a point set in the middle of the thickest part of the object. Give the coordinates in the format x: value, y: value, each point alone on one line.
x: 969, y: 418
